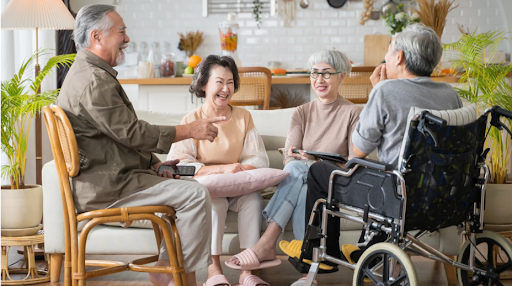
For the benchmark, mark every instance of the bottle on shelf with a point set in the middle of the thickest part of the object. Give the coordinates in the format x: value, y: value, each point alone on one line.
x: 228, y: 32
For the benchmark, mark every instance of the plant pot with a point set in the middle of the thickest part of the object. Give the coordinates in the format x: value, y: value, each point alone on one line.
x: 22, y: 208
x: 498, y: 210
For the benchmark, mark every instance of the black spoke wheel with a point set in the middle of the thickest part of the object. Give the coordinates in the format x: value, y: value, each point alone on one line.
x: 385, y: 264
x: 493, y: 254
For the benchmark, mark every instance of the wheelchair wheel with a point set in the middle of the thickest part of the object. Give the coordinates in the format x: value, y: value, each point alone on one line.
x: 385, y: 264
x: 494, y: 254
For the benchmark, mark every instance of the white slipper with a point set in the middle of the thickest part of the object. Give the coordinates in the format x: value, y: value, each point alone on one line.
x: 302, y: 282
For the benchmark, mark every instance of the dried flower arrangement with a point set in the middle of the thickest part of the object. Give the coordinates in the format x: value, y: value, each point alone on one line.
x: 190, y: 41
x: 434, y: 14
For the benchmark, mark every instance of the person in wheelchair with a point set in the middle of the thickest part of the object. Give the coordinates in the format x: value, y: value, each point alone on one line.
x: 402, y: 82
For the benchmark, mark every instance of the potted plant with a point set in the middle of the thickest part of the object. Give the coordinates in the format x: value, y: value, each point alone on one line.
x: 22, y: 204
x: 397, y: 20
x: 485, y: 83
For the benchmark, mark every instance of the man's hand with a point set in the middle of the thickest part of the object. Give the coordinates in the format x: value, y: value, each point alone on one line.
x: 379, y: 74
x: 201, y: 129
x: 167, y: 173
x: 301, y: 155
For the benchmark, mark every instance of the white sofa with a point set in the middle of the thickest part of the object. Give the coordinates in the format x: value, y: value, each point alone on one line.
x: 273, y: 127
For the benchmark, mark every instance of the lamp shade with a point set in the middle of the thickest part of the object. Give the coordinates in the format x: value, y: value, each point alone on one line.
x: 41, y: 14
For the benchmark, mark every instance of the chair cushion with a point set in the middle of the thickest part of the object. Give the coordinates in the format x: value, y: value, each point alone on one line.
x: 241, y: 183
x: 105, y: 239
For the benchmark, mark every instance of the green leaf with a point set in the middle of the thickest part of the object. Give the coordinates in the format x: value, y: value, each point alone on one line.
x: 18, y: 108
x: 486, y: 84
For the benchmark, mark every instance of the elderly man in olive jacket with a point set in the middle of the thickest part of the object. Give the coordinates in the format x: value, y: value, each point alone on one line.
x: 117, y: 164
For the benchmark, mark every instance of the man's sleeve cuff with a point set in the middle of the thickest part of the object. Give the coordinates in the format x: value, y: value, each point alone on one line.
x: 167, y: 135
x: 363, y: 144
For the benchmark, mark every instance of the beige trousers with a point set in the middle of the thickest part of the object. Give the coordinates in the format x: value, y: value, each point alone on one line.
x: 248, y: 208
x: 191, y: 201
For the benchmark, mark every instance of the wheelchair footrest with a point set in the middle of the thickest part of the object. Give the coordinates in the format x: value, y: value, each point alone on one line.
x: 303, y: 267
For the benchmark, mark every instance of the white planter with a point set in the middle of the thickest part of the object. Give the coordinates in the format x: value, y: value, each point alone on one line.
x: 498, y: 207
x: 22, y: 208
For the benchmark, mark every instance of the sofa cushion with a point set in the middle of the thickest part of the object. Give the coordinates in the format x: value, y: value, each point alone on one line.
x: 272, y: 122
x: 242, y: 183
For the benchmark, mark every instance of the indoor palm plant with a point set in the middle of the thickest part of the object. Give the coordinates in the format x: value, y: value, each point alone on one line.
x: 485, y: 83
x: 20, y: 102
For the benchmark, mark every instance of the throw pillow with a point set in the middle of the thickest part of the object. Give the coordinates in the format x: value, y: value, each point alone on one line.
x: 241, y: 183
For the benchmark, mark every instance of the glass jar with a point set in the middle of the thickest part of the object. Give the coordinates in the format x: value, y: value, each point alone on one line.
x: 168, y: 65
x: 228, y: 31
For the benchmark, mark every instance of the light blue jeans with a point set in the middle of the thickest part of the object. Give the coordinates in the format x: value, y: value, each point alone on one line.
x: 289, y: 201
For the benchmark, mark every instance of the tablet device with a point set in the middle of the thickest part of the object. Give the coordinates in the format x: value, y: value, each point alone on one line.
x: 325, y: 156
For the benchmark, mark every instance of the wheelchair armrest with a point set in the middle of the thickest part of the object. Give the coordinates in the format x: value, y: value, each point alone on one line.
x: 369, y: 163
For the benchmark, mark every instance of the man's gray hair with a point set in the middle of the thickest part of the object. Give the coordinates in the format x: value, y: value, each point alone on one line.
x: 336, y: 59
x: 422, y: 49
x: 91, y: 17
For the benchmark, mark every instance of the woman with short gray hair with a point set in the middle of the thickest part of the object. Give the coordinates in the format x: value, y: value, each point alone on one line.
x: 325, y: 125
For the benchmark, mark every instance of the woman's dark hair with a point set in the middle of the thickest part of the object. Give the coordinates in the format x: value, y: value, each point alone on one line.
x: 203, y: 73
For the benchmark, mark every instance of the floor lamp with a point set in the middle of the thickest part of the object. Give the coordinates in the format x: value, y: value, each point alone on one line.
x: 37, y: 14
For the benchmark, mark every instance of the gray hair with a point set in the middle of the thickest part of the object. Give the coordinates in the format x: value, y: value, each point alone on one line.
x: 422, y: 49
x: 91, y: 17
x: 336, y: 59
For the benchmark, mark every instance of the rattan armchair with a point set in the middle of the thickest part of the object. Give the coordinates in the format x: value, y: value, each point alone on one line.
x: 254, y: 87
x: 357, y: 85
x: 65, y: 152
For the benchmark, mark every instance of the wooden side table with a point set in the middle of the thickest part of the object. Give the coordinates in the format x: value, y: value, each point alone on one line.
x: 28, y: 266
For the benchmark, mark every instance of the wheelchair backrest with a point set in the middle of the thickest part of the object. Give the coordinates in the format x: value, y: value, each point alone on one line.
x: 439, y: 167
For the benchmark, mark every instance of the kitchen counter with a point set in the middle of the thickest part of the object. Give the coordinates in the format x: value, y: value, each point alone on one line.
x: 275, y: 80
x: 172, y: 94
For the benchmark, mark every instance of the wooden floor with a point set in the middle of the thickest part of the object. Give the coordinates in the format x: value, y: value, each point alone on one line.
x: 429, y: 273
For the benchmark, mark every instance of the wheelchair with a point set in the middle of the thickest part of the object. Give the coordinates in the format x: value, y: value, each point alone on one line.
x: 440, y: 182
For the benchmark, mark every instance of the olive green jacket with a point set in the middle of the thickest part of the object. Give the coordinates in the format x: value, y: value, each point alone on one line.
x: 115, y: 147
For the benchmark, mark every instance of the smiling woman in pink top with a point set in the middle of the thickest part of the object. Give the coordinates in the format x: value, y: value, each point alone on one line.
x: 237, y: 147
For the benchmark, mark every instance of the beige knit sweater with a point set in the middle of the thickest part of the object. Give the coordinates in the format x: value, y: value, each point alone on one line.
x: 316, y: 126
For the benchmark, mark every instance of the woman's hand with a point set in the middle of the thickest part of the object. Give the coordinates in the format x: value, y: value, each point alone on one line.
x: 301, y: 155
x: 379, y: 74
x: 232, y: 168
x: 220, y: 169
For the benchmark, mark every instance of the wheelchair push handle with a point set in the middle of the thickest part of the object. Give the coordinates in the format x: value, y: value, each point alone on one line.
x: 496, y: 112
x: 427, y: 118
x: 434, y: 119
x: 503, y: 112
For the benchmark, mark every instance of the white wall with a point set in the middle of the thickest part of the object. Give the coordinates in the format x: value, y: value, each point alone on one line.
x: 7, y: 66
x: 316, y: 27
x: 507, y: 8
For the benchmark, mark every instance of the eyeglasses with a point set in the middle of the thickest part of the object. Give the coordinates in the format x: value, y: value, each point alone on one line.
x: 325, y: 75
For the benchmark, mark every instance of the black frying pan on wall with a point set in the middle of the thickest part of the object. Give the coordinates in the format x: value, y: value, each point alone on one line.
x: 336, y: 3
